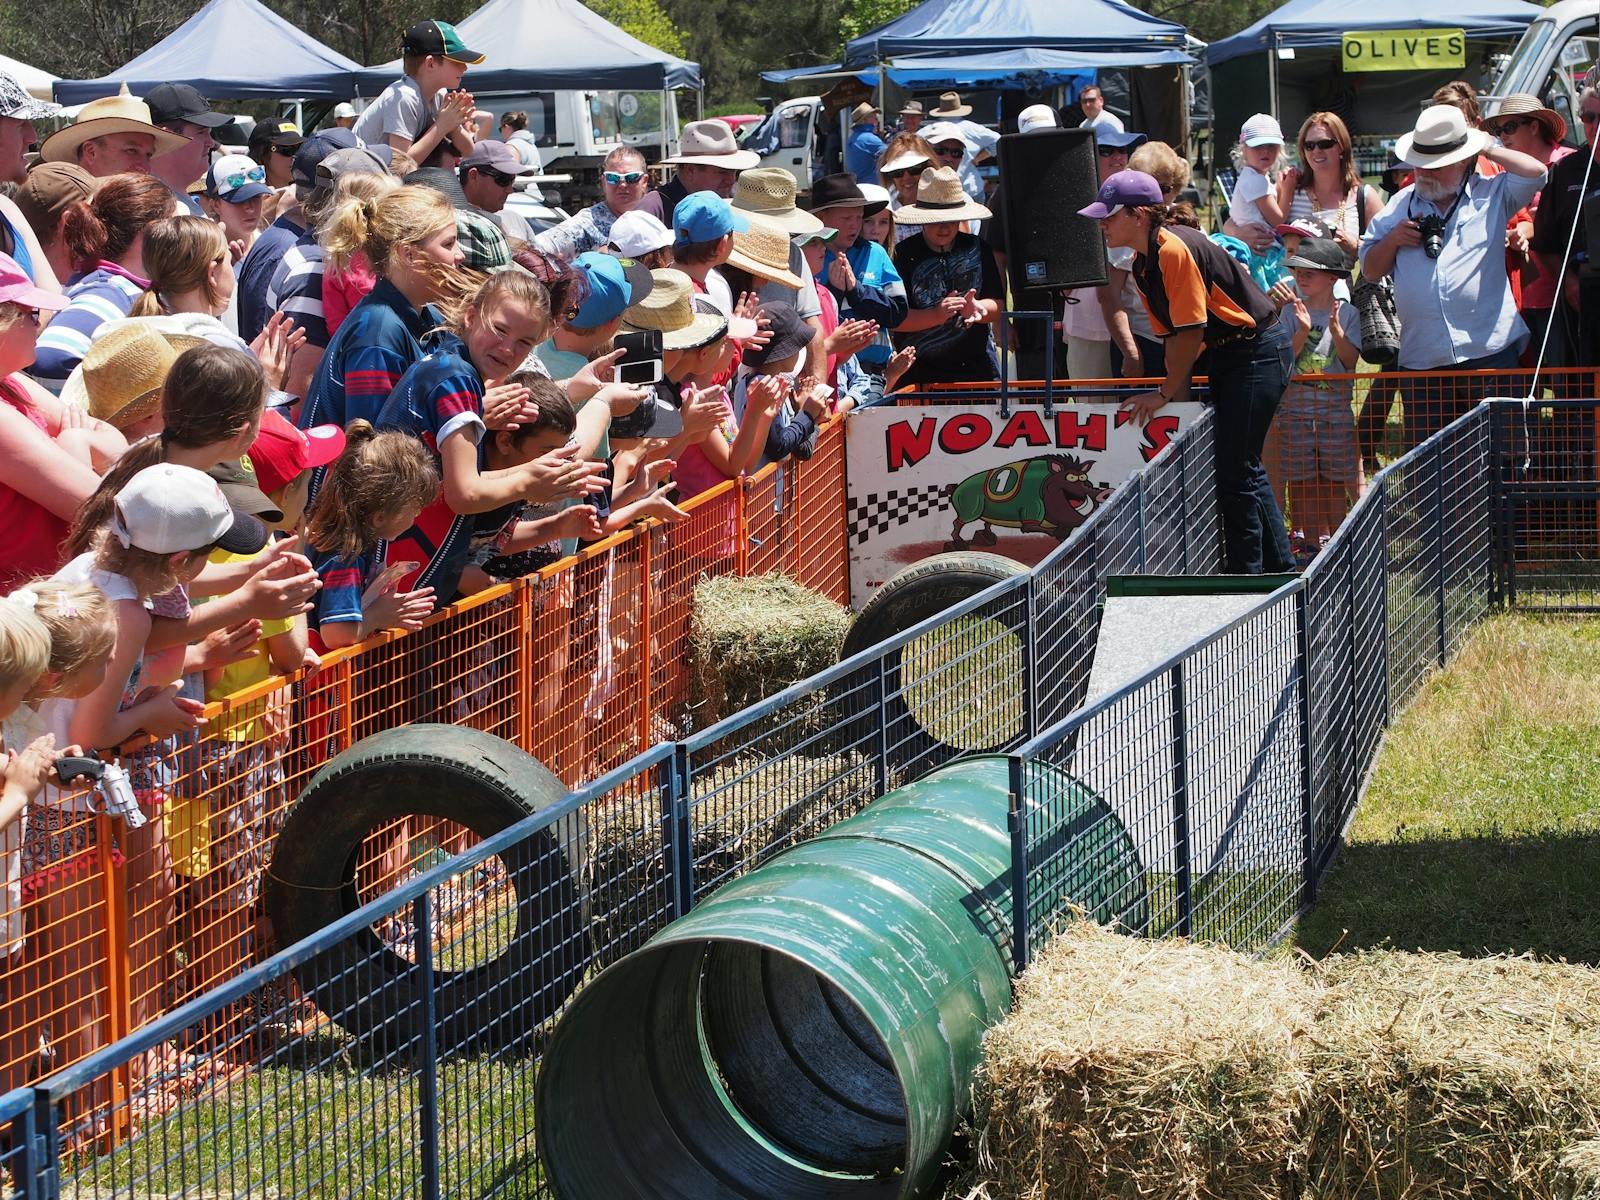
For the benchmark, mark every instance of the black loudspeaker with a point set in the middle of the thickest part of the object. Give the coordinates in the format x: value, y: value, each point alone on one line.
x: 1045, y: 178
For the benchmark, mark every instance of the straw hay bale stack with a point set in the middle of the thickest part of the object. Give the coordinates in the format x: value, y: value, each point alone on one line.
x: 1439, y: 1076
x: 751, y: 637
x: 1149, y: 1069
x: 1579, y: 1175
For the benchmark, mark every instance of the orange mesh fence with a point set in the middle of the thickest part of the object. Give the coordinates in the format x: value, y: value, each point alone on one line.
x: 583, y: 664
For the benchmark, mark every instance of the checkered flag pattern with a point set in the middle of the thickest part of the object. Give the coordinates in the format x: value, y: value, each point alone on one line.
x: 874, y: 513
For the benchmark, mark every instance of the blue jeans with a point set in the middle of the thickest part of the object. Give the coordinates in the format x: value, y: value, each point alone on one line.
x: 1247, y: 381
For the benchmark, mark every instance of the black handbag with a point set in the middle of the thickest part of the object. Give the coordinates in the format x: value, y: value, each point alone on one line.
x: 1380, y: 323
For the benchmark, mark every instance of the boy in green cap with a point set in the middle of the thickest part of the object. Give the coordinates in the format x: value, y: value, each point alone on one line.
x: 426, y: 105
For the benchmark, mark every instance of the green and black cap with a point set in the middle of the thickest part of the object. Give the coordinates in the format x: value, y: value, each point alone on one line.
x: 439, y: 38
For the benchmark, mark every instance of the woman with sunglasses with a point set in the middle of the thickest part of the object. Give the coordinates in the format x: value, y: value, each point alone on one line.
x: 50, y: 453
x: 236, y: 188
x: 902, y: 163
x: 1522, y: 122
x: 1325, y: 187
x: 623, y: 183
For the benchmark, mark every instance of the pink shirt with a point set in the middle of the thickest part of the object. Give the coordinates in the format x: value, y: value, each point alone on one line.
x: 343, y: 291
x: 33, y: 533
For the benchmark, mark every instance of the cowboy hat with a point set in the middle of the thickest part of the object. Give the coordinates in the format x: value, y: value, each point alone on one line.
x: 710, y: 143
x: 769, y: 192
x: 940, y: 197
x: 950, y: 107
x: 861, y: 112
x: 119, y: 380
x: 1441, y: 137
x: 669, y: 309
x: 122, y: 113
x: 1524, y: 104
x: 762, y: 250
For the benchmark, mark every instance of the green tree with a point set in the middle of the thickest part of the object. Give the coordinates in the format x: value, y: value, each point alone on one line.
x: 645, y: 20
x: 859, y: 16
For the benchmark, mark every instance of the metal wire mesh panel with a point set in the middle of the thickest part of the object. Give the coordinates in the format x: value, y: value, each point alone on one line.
x: 19, y: 1168
x: 1547, y: 480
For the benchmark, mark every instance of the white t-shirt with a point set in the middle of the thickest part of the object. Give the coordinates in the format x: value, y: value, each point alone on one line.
x: 1121, y: 257
x: 1082, y: 317
x: 1251, y: 187
x: 1104, y: 119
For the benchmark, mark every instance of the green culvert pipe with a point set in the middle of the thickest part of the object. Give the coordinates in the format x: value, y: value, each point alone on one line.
x: 810, y: 1031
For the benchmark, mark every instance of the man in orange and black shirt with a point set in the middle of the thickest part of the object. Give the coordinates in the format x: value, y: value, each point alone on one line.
x: 1201, y: 299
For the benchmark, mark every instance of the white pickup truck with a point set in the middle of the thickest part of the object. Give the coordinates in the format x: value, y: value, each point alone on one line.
x: 1551, y: 59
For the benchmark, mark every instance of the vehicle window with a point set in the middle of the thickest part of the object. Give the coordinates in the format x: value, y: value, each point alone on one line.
x: 541, y: 109
x: 1527, y: 52
x: 603, y: 117
x: 793, y: 125
x: 1565, y: 81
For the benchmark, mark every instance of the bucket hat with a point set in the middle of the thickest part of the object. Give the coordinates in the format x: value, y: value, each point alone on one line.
x: 1441, y: 137
x: 710, y: 143
x: 122, y: 113
x: 762, y: 250
x: 769, y: 192
x: 940, y: 197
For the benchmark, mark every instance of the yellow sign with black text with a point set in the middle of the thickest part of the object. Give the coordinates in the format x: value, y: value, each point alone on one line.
x: 1405, y: 50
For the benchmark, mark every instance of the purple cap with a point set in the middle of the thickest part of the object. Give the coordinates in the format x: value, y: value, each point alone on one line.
x: 1120, y: 190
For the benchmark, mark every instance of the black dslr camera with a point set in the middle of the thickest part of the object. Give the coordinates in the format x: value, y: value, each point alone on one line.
x: 1431, y: 227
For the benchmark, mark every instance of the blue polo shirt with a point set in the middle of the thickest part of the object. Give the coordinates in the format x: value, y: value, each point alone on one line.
x: 861, y: 153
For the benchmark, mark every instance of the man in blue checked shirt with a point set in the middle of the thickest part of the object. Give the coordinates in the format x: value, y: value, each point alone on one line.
x: 858, y: 272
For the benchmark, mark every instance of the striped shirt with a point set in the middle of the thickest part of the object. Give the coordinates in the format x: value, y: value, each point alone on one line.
x: 104, y: 294
x: 378, y: 341
x: 296, y: 289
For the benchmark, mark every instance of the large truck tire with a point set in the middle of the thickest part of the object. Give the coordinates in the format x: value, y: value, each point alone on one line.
x: 911, y: 739
x: 517, y: 969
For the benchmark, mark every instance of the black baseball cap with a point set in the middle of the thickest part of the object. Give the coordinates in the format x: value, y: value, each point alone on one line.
x: 171, y: 103
x: 1320, y: 254
x: 790, y: 335
x: 276, y: 132
x: 439, y: 38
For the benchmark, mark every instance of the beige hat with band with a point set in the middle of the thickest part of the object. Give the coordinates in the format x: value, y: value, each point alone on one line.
x: 122, y: 113
x: 940, y: 197
x: 710, y: 143
x: 669, y: 309
x: 763, y: 251
x: 119, y: 380
x: 769, y: 192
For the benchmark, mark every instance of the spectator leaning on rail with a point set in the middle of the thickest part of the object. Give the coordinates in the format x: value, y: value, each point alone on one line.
x: 1443, y: 238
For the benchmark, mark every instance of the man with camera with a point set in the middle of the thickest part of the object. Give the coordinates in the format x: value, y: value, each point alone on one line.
x: 1443, y: 239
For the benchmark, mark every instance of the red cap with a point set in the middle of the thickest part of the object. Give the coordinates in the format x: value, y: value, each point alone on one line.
x: 281, y: 451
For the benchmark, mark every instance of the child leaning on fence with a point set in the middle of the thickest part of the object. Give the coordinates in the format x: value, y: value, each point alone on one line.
x: 80, y: 630
x: 1315, y: 425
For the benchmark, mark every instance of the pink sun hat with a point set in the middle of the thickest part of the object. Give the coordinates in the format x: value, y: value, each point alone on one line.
x: 17, y: 288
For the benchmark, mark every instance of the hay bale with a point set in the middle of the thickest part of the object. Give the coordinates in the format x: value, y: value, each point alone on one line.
x: 750, y: 637
x: 744, y: 811
x: 1439, y: 1076
x: 1150, y: 1069
x: 1578, y: 1177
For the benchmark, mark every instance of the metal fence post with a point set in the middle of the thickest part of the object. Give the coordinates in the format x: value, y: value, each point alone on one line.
x: 1308, y: 817
x: 1381, y: 504
x: 42, y: 1180
x: 1030, y: 659
x: 1183, y: 507
x: 676, y: 835
x: 1138, y: 509
x: 428, y: 1073
x: 1017, y: 825
x: 880, y: 701
x: 1180, y: 803
x: 1438, y: 541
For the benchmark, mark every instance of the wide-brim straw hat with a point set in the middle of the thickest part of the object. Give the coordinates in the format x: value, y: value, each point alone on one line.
x: 121, y: 113
x: 1441, y: 137
x: 1525, y: 104
x: 940, y: 197
x: 769, y: 192
x: 120, y: 379
x: 763, y: 251
x: 669, y: 309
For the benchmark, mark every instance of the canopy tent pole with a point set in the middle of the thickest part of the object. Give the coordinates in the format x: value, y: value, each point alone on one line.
x: 700, y: 102
x: 1272, y: 74
x: 666, y: 115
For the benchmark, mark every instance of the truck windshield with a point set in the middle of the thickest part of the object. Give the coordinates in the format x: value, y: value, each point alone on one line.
x: 1523, y: 61
x: 784, y: 128
x: 625, y: 116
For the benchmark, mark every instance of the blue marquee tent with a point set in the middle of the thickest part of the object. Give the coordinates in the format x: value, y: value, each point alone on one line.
x: 1024, y: 66
x: 554, y: 45
x: 230, y: 48
x: 1310, y: 24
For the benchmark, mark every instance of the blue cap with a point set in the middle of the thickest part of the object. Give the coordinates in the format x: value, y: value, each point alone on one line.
x: 1121, y: 139
x: 615, y: 284
x: 705, y: 217
x: 1120, y: 190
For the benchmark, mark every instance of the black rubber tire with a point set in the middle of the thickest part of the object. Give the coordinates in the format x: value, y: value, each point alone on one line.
x: 911, y: 596
x: 485, y: 784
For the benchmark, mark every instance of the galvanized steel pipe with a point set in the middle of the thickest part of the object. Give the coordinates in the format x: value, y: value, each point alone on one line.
x: 810, y: 1031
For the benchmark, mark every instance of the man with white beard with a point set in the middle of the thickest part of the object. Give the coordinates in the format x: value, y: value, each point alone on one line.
x: 1443, y: 238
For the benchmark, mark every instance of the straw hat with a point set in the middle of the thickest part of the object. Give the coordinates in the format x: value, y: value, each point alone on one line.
x: 940, y: 198
x: 950, y: 107
x: 861, y: 112
x: 669, y: 308
x: 1524, y: 104
x: 119, y: 380
x: 763, y: 251
x: 769, y: 192
x: 1441, y: 137
x: 122, y: 113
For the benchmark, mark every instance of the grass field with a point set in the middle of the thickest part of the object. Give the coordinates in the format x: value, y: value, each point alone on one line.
x: 1480, y: 831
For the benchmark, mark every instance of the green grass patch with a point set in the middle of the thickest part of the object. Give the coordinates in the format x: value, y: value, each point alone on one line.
x: 1480, y: 831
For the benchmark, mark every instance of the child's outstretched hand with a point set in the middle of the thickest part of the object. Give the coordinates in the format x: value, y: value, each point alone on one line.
x: 580, y: 521
x: 658, y: 505
x: 27, y: 771
x: 592, y: 376
x: 849, y: 337
x: 227, y: 646
x: 399, y: 610
x: 506, y: 406
x: 703, y: 410
x: 899, y: 363
x: 166, y: 713
x: 561, y: 475
x: 764, y: 395
x: 1302, y: 315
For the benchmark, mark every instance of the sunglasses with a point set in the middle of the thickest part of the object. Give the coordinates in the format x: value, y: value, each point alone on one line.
x: 500, y: 180
x: 287, y: 151
x: 239, y: 178
x: 949, y: 151
x: 903, y: 172
x: 1322, y: 144
x: 1510, y: 125
x: 1108, y: 151
x: 616, y: 179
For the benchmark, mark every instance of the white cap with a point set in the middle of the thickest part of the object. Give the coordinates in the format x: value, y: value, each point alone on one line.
x: 168, y: 509
x: 1036, y: 116
x: 1261, y: 130
x: 343, y: 109
x: 944, y: 131
x: 875, y: 194
x: 636, y: 234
